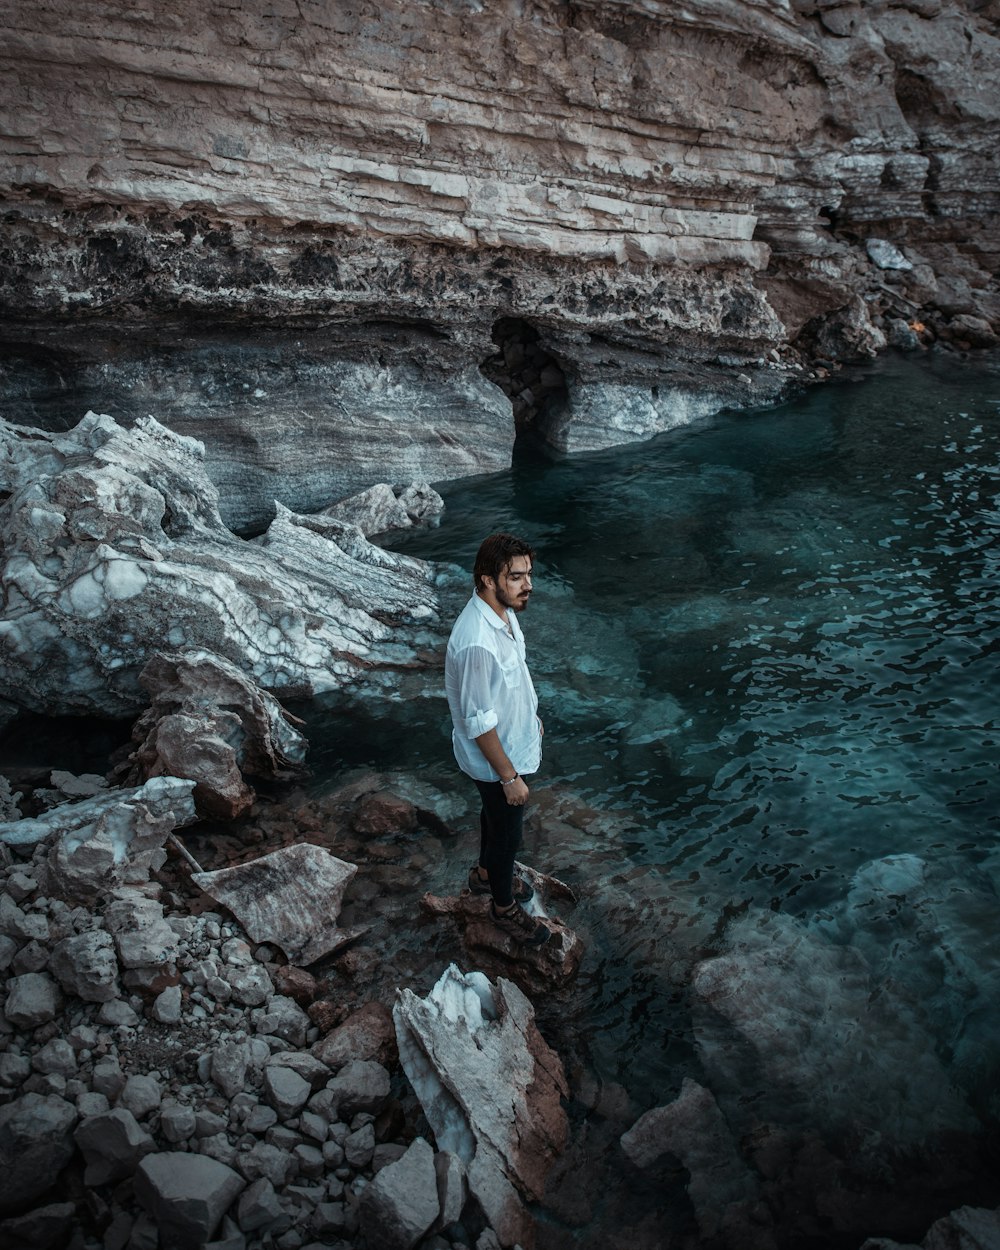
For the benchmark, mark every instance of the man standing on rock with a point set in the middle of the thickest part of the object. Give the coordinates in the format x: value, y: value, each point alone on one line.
x: 497, y: 735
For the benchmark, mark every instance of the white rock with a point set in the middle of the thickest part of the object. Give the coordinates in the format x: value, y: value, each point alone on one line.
x: 140, y: 1095
x: 166, y: 1006
x: 401, y: 1203
x: 886, y: 255
x: 284, y: 1018
x: 177, y: 1121
x: 285, y: 1090
x: 56, y: 1056
x: 85, y: 965
x: 142, y: 937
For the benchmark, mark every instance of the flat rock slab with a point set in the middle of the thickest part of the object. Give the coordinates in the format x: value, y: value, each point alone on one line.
x: 291, y: 897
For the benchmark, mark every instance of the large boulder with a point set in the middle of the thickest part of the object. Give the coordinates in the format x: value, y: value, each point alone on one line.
x: 401, y: 1203
x: 460, y: 1044
x: 114, y: 549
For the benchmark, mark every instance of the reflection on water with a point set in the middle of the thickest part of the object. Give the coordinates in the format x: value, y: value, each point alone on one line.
x: 766, y: 652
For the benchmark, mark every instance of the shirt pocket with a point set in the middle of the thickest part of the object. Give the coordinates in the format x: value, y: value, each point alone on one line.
x: 510, y: 666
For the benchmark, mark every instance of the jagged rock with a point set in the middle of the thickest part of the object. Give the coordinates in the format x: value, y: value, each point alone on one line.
x: 229, y: 1064
x: 109, y: 840
x: 9, y: 810
x: 268, y: 1162
x: 259, y: 1209
x: 886, y: 255
x: 32, y: 999
x: 142, y: 937
x: 108, y: 1078
x: 210, y: 723
x: 285, y: 1090
x: 360, y: 1085
x: 382, y: 507
x: 469, y: 1037
x: 282, y: 1018
x: 722, y: 1187
x: 291, y: 897
x: 401, y: 1203
x: 36, y: 1143
x: 126, y: 522
x: 250, y: 986
x: 85, y: 965
x: 367, y: 1033
x: 55, y: 1057
x: 383, y: 812
x: 359, y: 1147
x: 305, y: 1065
x: 177, y: 1122
x: 187, y: 1195
x: 451, y: 1187
x: 166, y: 1007
x: 535, y: 969
x: 112, y: 1145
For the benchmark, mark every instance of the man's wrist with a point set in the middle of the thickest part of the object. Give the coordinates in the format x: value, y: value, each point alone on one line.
x: 511, y: 781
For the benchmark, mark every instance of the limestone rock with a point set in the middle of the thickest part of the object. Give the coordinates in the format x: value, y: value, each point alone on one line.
x: 126, y: 524
x: 285, y: 1090
x: 462, y: 1041
x: 85, y: 965
x: 187, y: 1195
x: 41, y: 1229
x: 401, y: 1203
x: 360, y: 1085
x: 109, y: 840
x: 382, y: 507
x: 142, y: 937
x: 36, y: 1143
x: 209, y: 723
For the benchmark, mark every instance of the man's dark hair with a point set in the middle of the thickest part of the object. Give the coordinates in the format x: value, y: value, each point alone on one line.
x: 495, y: 553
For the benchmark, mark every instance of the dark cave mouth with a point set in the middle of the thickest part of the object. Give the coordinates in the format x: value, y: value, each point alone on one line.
x: 528, y: 374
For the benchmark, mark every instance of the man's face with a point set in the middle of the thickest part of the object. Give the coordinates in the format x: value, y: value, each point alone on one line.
x: 513, y: 586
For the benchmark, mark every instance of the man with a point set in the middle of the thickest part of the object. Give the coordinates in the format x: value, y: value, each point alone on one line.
x: 497, y: 735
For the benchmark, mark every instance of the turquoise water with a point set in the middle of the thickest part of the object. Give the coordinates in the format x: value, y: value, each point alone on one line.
x: 766, y: 649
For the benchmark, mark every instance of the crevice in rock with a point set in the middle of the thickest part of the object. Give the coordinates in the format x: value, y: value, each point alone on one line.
x: 530, y: 377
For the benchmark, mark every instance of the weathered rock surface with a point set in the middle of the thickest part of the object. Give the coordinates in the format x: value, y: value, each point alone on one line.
x: 36, y: 1143
x: 535, y: 969
x: 382, y: 507
x: 401, y: 1203
x: 291, y: 897
x: 663, y: 192
x: 210, y: 723
x: 458, y: 1046
x: 114, y: 550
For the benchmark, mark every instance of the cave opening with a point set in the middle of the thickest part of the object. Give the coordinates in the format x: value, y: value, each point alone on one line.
x: 528, y: 374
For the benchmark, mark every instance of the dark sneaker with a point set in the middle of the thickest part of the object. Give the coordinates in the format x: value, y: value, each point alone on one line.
x: 517, y: 924
x: 523, y: 893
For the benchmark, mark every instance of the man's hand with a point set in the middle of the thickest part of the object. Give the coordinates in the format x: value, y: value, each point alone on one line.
x: 516, y: 793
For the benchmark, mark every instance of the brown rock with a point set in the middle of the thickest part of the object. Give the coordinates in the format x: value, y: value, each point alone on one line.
x: 367, y: 1034
x: 296, y: 983
x: 383, y: 812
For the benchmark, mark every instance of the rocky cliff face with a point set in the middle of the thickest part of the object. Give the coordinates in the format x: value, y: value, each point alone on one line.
x: 299, y: 230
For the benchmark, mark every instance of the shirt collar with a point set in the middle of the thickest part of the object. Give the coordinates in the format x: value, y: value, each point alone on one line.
x: 491, y: 616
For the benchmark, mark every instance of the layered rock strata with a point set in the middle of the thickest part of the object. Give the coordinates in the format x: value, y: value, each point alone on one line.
x: 660, y: 196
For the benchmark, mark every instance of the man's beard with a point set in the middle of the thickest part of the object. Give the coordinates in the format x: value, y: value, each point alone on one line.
x: 517, y: 604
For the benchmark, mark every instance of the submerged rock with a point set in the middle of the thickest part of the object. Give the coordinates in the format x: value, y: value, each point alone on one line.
x: 114, y: 550
x: 458, y: 1046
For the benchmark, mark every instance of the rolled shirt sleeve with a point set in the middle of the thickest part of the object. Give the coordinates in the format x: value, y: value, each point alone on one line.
x: 478, y: 673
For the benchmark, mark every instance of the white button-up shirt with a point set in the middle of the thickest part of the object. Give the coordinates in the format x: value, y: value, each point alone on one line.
x: 488, y: 686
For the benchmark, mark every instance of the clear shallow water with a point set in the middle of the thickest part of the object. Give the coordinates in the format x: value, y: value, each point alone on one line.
x: 766, y: 652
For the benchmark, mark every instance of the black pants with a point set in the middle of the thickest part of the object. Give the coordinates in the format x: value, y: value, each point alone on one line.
x: 500, y: 839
